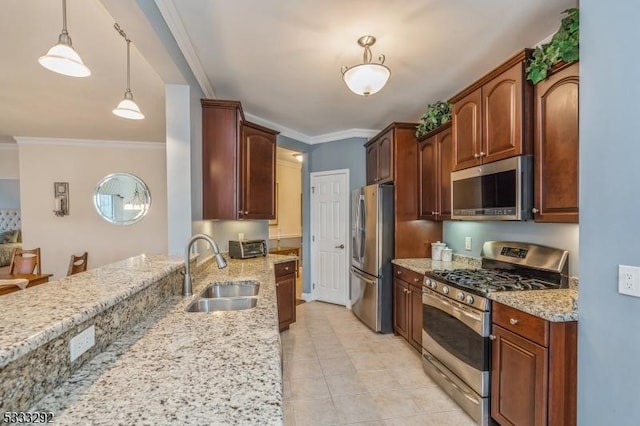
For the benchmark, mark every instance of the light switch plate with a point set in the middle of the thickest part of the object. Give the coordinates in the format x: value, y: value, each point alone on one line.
x: 467, y: 243
x: 629, y: 280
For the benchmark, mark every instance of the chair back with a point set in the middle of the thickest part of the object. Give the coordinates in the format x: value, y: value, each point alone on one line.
x: 77, y: 264
x: 25, y: 262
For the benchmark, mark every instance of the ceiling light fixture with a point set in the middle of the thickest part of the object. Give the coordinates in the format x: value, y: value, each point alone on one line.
x: 127, y: 108
x: 61, y: 58
x: 298, y: 157
x: 367, y: 78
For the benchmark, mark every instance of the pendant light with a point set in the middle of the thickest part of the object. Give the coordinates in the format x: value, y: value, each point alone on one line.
x: 61, y: 58
x: 366, y: 78
x: 127, y: 108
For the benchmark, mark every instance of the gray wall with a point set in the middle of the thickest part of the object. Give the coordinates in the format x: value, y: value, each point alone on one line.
x: 9, y: 194
x: 608, y: 332
x: 564, y: 236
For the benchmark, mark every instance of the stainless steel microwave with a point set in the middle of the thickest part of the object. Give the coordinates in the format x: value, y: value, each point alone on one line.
x: 501, y: 190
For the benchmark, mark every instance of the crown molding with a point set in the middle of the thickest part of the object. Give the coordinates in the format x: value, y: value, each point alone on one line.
x: 171, y: 16
x: 8, y: 146
x: 25, y: 140
x: 285, y: 131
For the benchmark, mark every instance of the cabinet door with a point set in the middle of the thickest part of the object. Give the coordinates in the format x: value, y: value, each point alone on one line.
x: 415, y: 322
x: 372, y: 163
x: 502, y: 115
x: 445, y: 166
x: 385, y: 158
x: 286, y: 296
x: 258, y: 172
x: 400, y: 308
x: 556, y: 147
x: 467, y: 131
x: 427, y: 178
x: 519, y: 377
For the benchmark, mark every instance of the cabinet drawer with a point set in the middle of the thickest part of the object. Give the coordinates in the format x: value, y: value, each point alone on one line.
x: 526, y: 325
x: 285, y: 268
x: 408, y: 276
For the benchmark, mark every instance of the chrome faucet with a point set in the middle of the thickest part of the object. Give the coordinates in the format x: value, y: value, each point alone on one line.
x: 186, y: 288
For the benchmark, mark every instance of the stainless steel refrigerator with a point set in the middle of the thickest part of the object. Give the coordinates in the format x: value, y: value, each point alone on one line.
x: 371, y: 286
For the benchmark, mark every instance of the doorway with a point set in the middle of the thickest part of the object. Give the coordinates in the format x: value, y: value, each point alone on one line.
x: 330, y: 236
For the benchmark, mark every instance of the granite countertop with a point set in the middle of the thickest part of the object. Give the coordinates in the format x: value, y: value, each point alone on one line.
x: 422, y: 265
x: 553, y: 305
x: 187, y: 368
x: 37, y: 315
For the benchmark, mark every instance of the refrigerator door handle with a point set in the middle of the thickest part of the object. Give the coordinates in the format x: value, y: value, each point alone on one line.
x: 363, y: 216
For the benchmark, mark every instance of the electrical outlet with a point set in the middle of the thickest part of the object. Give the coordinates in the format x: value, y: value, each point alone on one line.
x: 629, y: 280
x: 82, y: 342
x: 467, y: 243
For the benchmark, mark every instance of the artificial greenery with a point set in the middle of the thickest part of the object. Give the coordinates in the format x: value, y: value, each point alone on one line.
x: 564, y: 46
x: 435, y: 115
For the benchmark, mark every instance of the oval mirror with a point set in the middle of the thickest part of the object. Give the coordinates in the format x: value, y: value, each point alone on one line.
x: 122, y: 198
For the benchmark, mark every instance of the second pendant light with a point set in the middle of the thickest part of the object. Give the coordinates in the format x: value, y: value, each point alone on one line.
x: 127, y: 108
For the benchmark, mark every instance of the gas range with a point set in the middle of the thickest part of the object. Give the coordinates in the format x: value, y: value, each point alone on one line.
x: 506, y: 266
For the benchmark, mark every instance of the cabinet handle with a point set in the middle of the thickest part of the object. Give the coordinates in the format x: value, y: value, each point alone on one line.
x: 482, y: 154
x: 246, y: 212
x: 492, y: 337
x: 277, y: 285
x: 415, y: 280
x: 534, y: 210
x: 408, y: 291
x: 399, y: 272
x: 434, y: 213
x: 286, y: 268
x: 513, y: 321
x: 476, y: 156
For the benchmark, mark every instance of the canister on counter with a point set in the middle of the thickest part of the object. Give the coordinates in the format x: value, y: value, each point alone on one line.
x: 436, y: 250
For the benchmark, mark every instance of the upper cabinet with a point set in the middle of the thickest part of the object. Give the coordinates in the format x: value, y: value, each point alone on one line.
x: 434, y: 174
x: 238, y: 164
x: 380, y: 158
x: 492, y: 118
x: 556, y: 146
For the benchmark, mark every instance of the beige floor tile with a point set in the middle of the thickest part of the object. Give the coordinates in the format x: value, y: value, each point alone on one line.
x: 287, y: 408
x: 302, y: 351
x: 325, y: 339
x: 337, y: 366
x: 345, y: 384
x: 330, y: 351
x: 356, y: 408
x: 411, y: 377
x: 393, y: 404
x: 391, y: 345
x: 379, y: 380
x: 286, y: 390
x: 309, y: 388
x: 432, y: 400
x: 451, y: 418
x: 364, y: 361
x: 315, y: 412
x: 300, y: 368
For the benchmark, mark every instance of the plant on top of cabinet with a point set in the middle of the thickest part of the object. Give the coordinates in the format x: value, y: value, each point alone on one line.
x: 434, y: 116
x: 564, y: 46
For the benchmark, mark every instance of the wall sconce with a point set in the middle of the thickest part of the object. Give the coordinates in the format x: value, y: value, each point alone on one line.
x: 61, y: 197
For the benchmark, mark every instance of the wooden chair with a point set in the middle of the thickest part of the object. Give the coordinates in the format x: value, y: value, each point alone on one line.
x: 25, y: 262
x: 77, y: 264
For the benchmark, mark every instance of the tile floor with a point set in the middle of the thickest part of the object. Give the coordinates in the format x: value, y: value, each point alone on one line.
x: 337, y: 371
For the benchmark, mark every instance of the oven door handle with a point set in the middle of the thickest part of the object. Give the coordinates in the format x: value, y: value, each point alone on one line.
x: 474, y: 322
x: 451, y: 383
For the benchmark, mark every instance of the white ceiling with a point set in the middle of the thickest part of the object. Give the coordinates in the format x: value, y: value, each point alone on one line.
x: 282, y: 59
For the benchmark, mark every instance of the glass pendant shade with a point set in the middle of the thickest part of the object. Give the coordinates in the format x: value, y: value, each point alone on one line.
x: 127, y: 108
x: 366, y: 79
x: 62, y: 59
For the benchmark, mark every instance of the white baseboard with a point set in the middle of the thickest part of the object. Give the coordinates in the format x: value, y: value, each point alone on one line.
x: 308, y: 297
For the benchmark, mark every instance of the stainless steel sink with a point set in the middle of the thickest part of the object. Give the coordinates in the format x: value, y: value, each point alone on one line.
x: 243, y: 289
x: 222, y: 304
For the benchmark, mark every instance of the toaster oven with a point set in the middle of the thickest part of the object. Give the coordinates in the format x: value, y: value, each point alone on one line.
x: 247, y: 248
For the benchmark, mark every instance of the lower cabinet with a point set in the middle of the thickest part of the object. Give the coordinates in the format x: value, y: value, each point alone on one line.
x: 407, y: 305
x: 533, y: 369
x: 286, y: 293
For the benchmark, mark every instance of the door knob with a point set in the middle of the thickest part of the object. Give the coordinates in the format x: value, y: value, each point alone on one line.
x: 534, y: 210
x: 341, y: 246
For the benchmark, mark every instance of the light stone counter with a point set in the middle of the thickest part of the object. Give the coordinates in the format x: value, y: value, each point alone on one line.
x: 422, y: 265
x: 553, y: 305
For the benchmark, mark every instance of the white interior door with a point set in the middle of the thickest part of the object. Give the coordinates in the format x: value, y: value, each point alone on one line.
x: 330, y: 236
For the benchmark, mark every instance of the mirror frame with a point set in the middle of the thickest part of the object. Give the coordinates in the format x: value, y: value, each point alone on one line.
x: 139, y: 182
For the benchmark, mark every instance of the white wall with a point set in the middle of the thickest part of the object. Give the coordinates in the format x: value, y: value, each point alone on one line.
x: 9, y: 161
x: 83, y: 164
x: 289, y: 179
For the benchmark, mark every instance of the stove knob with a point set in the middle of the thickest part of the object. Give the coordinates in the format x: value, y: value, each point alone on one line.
x: 427, y: 282
x: 445, y: 289
x: 469, y: 299
x: 460, y: 296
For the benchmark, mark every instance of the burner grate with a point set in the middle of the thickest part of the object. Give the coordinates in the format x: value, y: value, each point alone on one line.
x: 488, y: 280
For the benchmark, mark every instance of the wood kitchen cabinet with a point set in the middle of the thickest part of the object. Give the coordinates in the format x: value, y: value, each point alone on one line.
x: 380, y: 158
x: 238, y: 164
x: 533, y: 369
x: 556, y: 142
x: 286, y: 293
x: 407, y: 305
x: 434, y: 174
x: 493, y: 118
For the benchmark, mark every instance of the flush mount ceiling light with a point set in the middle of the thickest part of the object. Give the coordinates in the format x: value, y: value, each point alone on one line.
x: 367, y: 78
x: 61, y: 58
x: 127, y: 108
x: 298, y: 157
